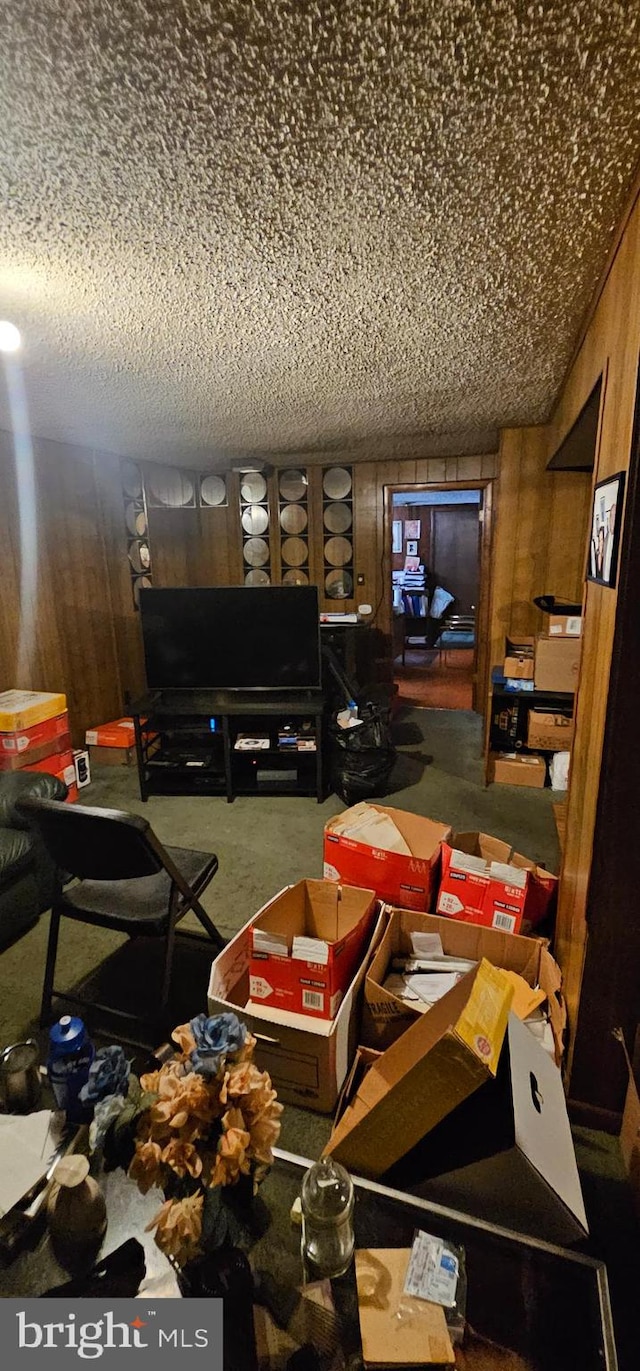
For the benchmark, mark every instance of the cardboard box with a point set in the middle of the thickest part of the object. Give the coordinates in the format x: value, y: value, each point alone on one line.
x: 62, y: 766
x: 112, y: 756
x: 549, y: 731
x: 307, y: 1059
x: 485, y: 895
x: 514, y: 768
x: 385, y: 1017
x: 564, y: 625
x: 506, y: 1152
x: 83, y: 769
x: 411, y: 881
x: 121, y: 733
x: 20, y: 709
x: 441, y: 1059
x: 16, y: 761
x: 557, y: 664
x: 331, y: 923
x: 24, y: 740
x: 518, y: 658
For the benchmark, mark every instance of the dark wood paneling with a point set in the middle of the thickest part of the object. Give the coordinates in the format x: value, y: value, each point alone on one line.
x: 455, y: 553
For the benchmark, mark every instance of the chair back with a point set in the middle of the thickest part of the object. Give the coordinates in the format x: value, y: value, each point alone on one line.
x: 95, y: 844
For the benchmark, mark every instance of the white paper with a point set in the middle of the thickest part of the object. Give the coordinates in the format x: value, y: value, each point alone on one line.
x: 310, y: 950
x: 426, y: 945
x: 27, y: 1144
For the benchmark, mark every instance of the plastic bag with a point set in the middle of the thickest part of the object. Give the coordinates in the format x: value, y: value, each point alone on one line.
x: 363, y: 757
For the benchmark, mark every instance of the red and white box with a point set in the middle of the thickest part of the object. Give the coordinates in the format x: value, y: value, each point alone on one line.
x: 485, y: 882
x: 405, y: 874
x: 26, y: 746
x: 63, y: 767
x: 307, y: 944
x: 118, y: 733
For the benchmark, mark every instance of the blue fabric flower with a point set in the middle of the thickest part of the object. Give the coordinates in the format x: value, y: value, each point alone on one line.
x: 215, y: 1039
x: 108, y: 1075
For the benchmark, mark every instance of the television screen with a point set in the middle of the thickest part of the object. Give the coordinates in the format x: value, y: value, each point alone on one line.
x: 235, y: 637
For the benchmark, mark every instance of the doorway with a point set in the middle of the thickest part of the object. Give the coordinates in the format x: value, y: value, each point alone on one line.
x: 436, y: 565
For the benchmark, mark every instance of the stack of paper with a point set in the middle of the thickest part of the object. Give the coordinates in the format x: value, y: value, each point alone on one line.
x: 365, y: 824
x: 310, y: 950
x: 27, y: 1145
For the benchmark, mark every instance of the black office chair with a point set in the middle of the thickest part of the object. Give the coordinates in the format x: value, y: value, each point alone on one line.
x: 126, y: 881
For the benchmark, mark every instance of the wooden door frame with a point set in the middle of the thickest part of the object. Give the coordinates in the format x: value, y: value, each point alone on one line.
x: 485, y: 518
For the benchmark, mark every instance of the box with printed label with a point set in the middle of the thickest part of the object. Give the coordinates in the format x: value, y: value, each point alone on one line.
x: 441, y: 1059
x: 485, y: 882
x: 386, y: 1016
x: 557, y: 664
x: 306, y: 945
x: 550, y: 731
x: 63, y: 767
x: 404, y: 872
x: 515, y: 768
x: 518, y: 658
x: 120, y: 733
x: 24, y: 740
x: 307, y: 1058
x: 20, y: 709
x: 564, y: 625
x: 17, y: 761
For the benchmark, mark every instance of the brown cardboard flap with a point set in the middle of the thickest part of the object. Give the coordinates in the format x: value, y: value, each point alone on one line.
x: 319, y: 909
x: 422, y: 835
x: 482, y: 845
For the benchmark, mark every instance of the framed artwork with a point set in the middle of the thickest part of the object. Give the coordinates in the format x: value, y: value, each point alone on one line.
x: 412, y: 547
x: 396, y: 545
x: 412, y: 528
x: 606, y: 519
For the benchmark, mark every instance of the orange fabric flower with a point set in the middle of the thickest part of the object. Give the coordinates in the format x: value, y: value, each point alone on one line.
x: 183, y: 1036
x: 181, y: 1100
x: 178, y: 1228
x: 264, y: 1132
x: 183, y: 1158
x: 146, y: 1166
x: 231, y: 1160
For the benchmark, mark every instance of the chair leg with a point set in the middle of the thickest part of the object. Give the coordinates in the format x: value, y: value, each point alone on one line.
x: 49, y: 971
x: 168, y: 962
x: 208, y: 925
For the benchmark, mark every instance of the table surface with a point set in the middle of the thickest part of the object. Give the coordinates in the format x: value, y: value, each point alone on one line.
x: 548, y: 1306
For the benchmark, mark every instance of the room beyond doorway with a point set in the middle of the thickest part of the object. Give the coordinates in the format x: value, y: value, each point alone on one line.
x: 435, y: 572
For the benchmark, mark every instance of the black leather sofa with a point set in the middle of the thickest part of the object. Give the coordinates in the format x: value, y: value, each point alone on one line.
x: 27, y: 874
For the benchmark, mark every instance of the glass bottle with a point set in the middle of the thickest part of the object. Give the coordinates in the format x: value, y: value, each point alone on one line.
x: 327, y: 1219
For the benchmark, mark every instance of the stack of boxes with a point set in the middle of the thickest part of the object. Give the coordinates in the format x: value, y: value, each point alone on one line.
x: 34, y: 735
x: 549, y: 662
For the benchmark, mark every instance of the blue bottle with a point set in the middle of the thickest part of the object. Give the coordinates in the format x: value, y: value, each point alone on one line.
x: 71, y: 1053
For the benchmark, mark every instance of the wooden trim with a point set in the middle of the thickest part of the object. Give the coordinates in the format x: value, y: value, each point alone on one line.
x: 482, y: 654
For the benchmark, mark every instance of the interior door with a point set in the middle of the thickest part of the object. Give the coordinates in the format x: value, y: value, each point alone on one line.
x: 455, y: 553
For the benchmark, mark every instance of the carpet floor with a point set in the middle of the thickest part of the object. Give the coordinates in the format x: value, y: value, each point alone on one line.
x: 265, y: 843
x: 431, y: 680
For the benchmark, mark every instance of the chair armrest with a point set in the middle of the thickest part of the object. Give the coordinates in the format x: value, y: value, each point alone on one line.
x: 26, y: 785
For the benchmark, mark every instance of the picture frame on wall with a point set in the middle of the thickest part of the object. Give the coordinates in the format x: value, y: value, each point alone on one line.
x: 412, y: 528
x: 412, y: 547
x: 604, y: 540
x: 396, y: 543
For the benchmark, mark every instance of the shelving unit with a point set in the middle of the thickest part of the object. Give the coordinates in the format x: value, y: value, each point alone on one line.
x: 185, y: 743
x: 508, y: 716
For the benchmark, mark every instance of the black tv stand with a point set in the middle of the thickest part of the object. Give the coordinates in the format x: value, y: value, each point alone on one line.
x: 187, y: 742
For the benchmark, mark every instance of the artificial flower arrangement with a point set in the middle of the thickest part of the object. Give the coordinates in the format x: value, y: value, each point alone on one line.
x: 201, y: 1121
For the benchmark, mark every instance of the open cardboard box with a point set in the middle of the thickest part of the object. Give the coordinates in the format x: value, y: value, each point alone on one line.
x: 482, y: 897
x: 331, y: 924
x: 518, y: 658
x: 441, y: 1059
x: 307, y: 1059
x: 385, y: 1017
x: 506, y: 1152
x: 408, y: 880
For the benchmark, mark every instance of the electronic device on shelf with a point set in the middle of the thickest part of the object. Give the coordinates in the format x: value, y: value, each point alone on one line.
x: 231, y: 638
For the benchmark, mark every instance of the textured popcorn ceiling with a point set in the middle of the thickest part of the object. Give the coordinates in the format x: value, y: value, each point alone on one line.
x: 363, y: 226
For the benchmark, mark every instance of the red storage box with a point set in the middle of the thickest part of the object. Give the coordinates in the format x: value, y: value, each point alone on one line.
x: 475, y: 890
x: 25, y: 747
x: 406, y: 879
x: 119, y: 733
x: 307, y: 945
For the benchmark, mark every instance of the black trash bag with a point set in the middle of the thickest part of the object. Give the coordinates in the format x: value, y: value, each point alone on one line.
x: 362, y: 758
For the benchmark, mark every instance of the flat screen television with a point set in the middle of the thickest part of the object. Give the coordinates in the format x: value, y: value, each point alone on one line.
x: 231, y: 637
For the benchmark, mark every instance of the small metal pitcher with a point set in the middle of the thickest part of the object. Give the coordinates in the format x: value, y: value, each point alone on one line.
x: 20, y: 1083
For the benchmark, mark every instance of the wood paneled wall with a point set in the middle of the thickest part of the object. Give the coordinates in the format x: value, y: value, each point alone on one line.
x: 72, y: 628
x: 610, y: 347
x: 540, y: 535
